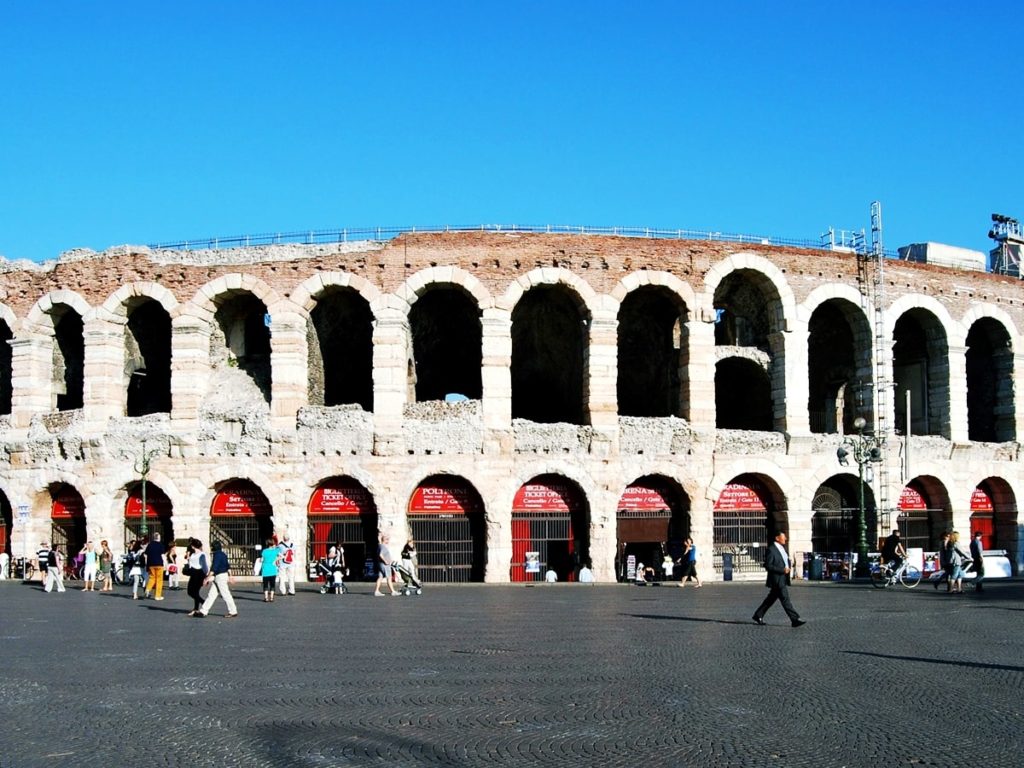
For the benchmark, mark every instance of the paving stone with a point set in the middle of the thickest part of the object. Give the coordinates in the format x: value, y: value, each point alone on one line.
x: 558, y: 675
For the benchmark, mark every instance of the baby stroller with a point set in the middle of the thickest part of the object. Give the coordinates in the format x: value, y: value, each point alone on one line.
x: 410, y: 584
x: 333, y: 571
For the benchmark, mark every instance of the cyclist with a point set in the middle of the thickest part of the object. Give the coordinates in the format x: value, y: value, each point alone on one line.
x: 893, y: 553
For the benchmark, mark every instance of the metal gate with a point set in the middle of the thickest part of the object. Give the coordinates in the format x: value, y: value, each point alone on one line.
x: 445, y: 547
x: 239, y: 537
x: 551, y: 536
x: 742, y: 533
x: 836, y: 530
x: 133, y: 530
x: 355, y: 534
x: 69, y: 536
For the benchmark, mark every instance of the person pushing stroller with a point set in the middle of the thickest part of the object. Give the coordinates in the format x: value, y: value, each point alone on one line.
x: 332, y: 568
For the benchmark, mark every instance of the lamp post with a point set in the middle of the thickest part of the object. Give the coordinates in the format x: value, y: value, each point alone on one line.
x: 865, y: 450
x: 141, y: 465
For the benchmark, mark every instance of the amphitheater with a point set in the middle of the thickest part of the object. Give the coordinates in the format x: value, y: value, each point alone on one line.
x: 516, y: 401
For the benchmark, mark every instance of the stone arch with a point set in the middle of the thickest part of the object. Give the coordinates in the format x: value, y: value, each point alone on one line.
x: 767, y: 270
x: 423, y: 280
x: 58, y: 318
x: 550, y: 350
x: 840, y: 374
x: 340, y: 315
x: 445, y: 514
x: 8, y: 330
x: 746, y: 519
x: 923, y: 525
x: 38, y: 319
x: 116, y: 305
x: 446, y: 335
x: 989, y: 365
x: 590, y: 301
x: 641, y: 278
x: 309, y: 291
x: 653, y: 347
x: 921, y: 363
x: 206, y: 300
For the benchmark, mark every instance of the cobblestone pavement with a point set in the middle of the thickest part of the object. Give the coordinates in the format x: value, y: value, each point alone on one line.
x: 559, y: 675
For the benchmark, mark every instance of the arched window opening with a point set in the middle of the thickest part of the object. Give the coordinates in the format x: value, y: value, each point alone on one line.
x: 744, y: 305
x: 990, y: 398
x: 652, y: 520
x: 158, y: 517
x: 446, y: 345
x: 240, y: 519
x: 839, y: 368
x: 241, y: 341
x: 147, y: 359
x: 747, y: 515
x: 743, y: 396
x: 67, y: 521
x: 652, y: 353
x: 548, y: 356
x: 835, y: 525
x: 340, y: 346
x: 920, y: 366
x: 550, y: 529
x: 343, y: 514
x: 68, y: 358
x: 924, y: 515
x: 446, y: 519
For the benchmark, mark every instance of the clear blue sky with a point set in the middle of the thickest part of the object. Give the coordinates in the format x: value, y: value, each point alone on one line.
x: 147, y: 122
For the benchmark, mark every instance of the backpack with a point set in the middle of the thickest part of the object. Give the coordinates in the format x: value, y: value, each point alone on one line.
x: 289, y: 554
x: 51, y: 559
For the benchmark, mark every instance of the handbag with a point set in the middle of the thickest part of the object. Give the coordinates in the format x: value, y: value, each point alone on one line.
x: 186, y: 570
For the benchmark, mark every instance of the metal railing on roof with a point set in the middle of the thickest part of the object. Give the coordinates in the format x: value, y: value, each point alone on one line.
x: 326, y: 236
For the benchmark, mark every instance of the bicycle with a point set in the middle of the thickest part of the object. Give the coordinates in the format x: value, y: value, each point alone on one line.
x: 908, y: 575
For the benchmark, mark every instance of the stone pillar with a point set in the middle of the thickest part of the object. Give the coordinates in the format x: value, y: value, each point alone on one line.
x: 1018, y: 397
x: 955, y: 421
x: 391, y: 359
x: 190, y: 370
x: 104, y: 384
x: 31, y: 378
x: 496, y: 378
x: 601, y: 384
x: 289, y: 367
x: 603, y: 535
x: 791, y: 402
x: 701, y: 339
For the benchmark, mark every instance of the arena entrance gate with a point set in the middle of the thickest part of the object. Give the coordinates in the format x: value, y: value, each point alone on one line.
x: 446, y: 517
x: 342, y: 512
x: 547, y: 515
x: 67, y: 522
x: 158, y: 515
x: 742, y: 514
x: 649, y: 524
x: 240, y: 519
x: 983, y: 518
x: 920, y: 525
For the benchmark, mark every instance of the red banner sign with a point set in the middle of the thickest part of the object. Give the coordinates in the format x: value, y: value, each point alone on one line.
x: 911, y: 498
x: 341, y: 498
x: 981, y: 501
x: 157, y: 504
x: 448, y: 498
x: 739, y: 496
x: 240, y: 501
x: 645, y: 498
x: 551, y: 496
x: 67, y: 504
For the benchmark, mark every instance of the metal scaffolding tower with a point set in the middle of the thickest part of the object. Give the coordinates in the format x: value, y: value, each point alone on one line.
x: 871, y: 283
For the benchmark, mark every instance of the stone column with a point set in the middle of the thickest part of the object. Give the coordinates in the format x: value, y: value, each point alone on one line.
x: 190, y: 370
x: 289, y: 367
x: 955, y: 422
x: 391, y: 360
x: 104, y: 384
x: 31, y: 378
x: 496, y: 378
x: 601, y: 384
x: 790, y: 349
x: 701, y: 339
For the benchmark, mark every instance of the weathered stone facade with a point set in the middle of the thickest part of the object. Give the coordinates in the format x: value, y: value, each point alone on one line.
x: 601, y: 361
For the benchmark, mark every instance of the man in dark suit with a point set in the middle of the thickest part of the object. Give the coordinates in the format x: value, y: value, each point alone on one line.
x: 777, y: 564
x: 977, y: 553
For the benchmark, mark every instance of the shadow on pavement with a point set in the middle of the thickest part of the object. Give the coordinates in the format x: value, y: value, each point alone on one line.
x: 925, y: 660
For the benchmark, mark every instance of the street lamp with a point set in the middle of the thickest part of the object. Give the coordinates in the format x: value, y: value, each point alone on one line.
x: 865, y: 450
x: 141, y: 465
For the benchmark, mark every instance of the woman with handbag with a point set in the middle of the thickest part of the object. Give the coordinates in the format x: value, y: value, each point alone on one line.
x: 196, y: 568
